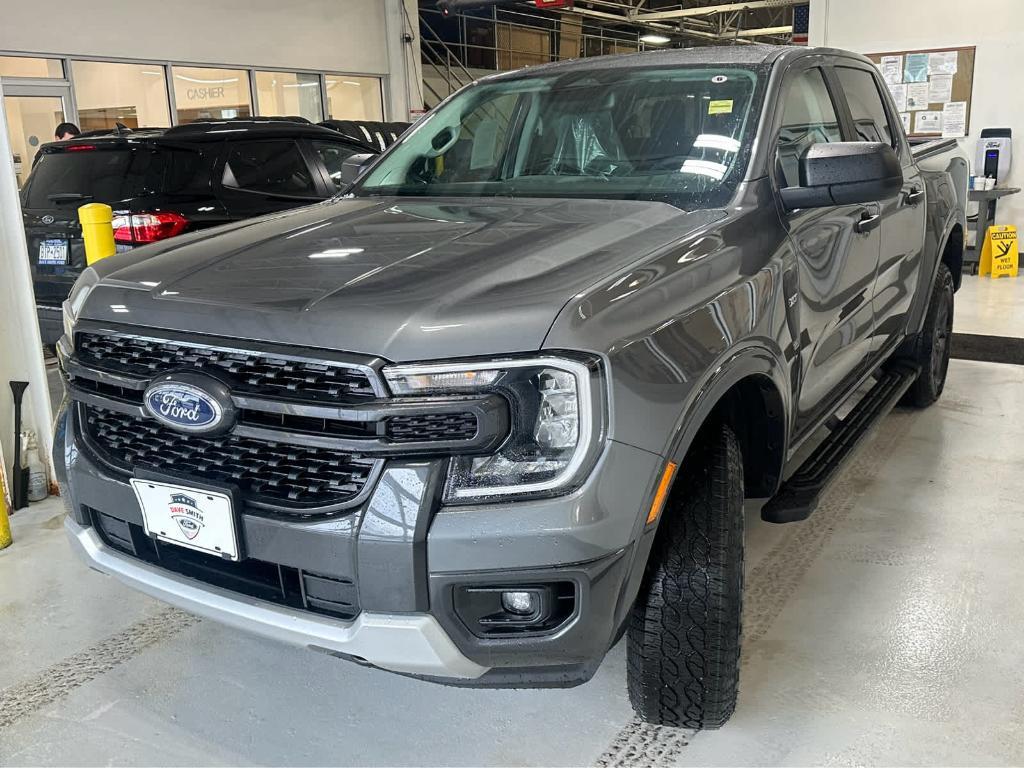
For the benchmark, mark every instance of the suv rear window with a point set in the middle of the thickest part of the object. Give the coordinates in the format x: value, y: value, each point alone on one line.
x: 116, y: 174
x: 97, y: 175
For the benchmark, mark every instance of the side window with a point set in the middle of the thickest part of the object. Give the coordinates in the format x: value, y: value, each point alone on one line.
x: 866, y: 106
x: 333, y: 157
x: 808, y: 118
x: 274, y: 167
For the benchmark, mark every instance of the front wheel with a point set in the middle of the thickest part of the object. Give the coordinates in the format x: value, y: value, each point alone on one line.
x: 683, y: 651
x: 933, y: 345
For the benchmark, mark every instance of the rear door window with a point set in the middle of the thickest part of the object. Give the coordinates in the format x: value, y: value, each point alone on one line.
x: 333, y: 156
x: 866, y: 106
x: 272, y: 167
x: 95, y: 175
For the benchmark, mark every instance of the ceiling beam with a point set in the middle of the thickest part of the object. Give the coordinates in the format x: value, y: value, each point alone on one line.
x: 709, y: 10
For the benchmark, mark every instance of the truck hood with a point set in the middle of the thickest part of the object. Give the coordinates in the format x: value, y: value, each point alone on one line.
x: 400, y: 278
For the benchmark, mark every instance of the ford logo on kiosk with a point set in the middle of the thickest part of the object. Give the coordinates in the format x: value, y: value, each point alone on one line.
x: 190, y: 403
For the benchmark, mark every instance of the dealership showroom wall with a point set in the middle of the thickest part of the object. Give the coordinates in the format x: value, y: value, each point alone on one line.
x: 599, y: 416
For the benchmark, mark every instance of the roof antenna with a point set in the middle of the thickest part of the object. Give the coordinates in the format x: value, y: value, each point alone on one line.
x: 121, y: 128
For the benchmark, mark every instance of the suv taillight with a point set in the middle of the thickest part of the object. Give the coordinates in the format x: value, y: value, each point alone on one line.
x: 148, y: 227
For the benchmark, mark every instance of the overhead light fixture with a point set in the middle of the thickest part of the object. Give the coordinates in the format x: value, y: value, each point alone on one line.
x: 655, y: 39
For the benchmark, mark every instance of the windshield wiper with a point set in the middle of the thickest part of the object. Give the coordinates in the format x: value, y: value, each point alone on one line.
x: 61, y: 197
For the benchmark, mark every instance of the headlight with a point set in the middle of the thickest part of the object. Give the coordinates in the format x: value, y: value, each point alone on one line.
x: 557, y: 414
x: 76, y: 300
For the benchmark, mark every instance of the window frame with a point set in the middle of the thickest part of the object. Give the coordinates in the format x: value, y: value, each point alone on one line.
x: 384, y: 81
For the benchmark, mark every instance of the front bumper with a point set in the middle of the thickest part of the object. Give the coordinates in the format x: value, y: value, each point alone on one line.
x: 407, y: 556
x: 411, y: 643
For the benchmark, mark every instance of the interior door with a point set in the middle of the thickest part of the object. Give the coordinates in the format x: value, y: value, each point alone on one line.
x: 836, y: 250
x: 33, y: 113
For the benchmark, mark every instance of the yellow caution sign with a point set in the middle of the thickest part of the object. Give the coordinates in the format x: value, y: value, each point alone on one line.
x: 999, y: 255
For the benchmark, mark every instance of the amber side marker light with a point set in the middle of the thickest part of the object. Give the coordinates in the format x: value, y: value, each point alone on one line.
x: 659, y: 497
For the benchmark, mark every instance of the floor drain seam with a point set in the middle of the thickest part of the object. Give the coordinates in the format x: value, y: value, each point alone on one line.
x: 60, y: 679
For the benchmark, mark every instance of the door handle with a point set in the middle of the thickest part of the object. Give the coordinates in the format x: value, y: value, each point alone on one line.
x: 914, y: 196
x: 868, y: 222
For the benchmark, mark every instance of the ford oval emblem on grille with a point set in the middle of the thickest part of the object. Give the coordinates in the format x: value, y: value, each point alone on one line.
x: 47, y: 219
x: 190, y: 403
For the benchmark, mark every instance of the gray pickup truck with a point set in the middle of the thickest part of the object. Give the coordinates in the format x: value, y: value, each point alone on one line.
x: 502, y: 402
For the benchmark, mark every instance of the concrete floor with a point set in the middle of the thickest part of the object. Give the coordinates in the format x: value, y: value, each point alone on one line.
x: 884, y: 630
x: 990, y: 307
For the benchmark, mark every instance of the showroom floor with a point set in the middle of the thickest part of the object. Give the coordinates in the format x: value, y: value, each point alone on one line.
x: 884, y: 630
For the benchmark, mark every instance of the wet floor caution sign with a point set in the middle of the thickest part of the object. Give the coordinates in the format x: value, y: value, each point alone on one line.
x: 999, y: 254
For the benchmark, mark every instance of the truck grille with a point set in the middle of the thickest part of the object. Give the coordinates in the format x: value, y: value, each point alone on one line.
x: 289, y: 478
x: 251, y: 373
x: 436, y: 426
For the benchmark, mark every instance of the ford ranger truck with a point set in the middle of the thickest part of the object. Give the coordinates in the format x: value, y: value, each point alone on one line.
x: 501, y: 402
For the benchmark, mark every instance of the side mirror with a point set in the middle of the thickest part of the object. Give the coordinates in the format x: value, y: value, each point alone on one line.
x: 845, y: 173
x: 352, y: 167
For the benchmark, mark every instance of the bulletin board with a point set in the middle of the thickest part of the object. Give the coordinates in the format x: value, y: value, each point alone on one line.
x: 932, y: 89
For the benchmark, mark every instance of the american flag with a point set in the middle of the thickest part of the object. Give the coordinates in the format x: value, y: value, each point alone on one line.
x: 801, y: 23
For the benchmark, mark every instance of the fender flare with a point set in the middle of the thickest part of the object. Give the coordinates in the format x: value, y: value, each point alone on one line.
x: 753, y: 358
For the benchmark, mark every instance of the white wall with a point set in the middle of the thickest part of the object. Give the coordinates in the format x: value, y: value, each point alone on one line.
x: 352, y: 36
x: 996, y: 27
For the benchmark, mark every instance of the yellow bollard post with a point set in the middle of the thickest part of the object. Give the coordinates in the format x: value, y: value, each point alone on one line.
x: 5, y: 522
x: 97, y: 231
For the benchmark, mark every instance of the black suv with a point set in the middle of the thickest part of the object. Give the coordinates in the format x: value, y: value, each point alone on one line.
x: 162, y: 182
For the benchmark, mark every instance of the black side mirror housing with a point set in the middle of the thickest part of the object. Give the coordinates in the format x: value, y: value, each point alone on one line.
x: 353, y: 167
x: 845, y: 173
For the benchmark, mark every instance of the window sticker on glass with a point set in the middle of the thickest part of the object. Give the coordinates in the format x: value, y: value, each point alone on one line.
x: 719, y: 79
x: 720, y: 107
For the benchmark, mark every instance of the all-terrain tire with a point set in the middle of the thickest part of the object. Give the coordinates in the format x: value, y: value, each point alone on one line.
x: 933, y: 344
x: 683, y: 648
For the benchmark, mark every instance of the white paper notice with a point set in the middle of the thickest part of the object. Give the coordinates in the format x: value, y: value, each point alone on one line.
x: 899, y: 95
x: 954, y: 120
x: 940, y: 89
x: 892, y: 69
x: 905, y: 117
x: 942, y: 63
x: 928, y: 122
x: 917, y: 96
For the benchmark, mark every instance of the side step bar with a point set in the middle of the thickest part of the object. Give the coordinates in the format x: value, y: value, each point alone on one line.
x: 798, y: 497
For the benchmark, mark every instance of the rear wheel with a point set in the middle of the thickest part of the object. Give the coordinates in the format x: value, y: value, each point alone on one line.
x: 684, y: 632
x: 933, y: 344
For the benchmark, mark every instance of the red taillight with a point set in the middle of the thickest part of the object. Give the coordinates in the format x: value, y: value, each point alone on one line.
x: 148, y: 227
x: 79, y: 147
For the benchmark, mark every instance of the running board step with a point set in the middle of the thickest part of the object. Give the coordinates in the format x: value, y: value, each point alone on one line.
x: 798, y: 497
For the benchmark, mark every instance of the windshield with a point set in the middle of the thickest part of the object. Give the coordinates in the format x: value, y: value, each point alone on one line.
x: 674, y: 135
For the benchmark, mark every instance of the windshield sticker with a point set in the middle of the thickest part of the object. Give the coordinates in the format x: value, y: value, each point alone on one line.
x: 719, y: 79
x: 720, y: 107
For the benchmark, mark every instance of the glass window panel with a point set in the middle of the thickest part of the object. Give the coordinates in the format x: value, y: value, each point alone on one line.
x: 206, y: 93
x: 31, y: 121
x: 24, y: 66
x: 354, y: 98
x: 808, y: 118
x: 134, y: 95
x: 287, y: 94
x: 333, y: 156
x: 865, y: 102
x: 274, y: 167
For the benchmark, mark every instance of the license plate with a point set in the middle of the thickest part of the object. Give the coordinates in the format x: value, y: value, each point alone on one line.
x: 53, y: 252
x: 200, y: 520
